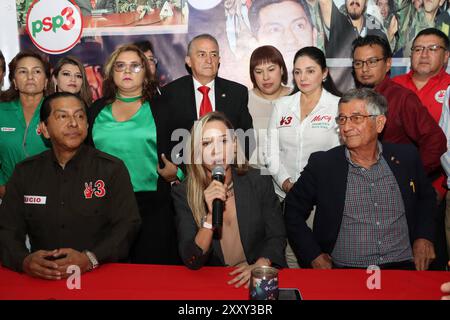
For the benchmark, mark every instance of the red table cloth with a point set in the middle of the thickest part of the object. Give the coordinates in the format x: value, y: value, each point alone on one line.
x: 137, y: 282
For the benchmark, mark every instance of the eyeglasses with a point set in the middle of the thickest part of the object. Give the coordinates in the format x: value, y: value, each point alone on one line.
x: 356, y: 118
x: 152, y: 60
x: 432, y: 48
x: 122, y: 66
x: 371, y: 63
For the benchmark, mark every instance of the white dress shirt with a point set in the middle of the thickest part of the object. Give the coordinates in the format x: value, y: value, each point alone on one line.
x: 291, y: 141
x: 199, y: 95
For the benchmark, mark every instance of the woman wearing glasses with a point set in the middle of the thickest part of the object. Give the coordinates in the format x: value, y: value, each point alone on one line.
x: 20, y: 136
x: 302, y: 123
x: 126, y: 123
x: 69, y: 76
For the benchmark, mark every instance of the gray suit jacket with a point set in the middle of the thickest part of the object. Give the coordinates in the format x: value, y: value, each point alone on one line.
x: 260, y: 220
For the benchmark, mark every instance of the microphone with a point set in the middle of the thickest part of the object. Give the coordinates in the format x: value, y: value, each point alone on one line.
x: 218, y: 174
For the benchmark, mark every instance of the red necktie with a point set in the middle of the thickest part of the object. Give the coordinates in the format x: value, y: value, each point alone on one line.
x: 205, y: 106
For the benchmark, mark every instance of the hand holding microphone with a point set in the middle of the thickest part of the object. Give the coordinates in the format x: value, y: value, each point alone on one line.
x: 215, y: 196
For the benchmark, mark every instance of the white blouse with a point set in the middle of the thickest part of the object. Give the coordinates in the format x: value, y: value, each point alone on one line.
x: 260, y: 109
x: 291, y: 141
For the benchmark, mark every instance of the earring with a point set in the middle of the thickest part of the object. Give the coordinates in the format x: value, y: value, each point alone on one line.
x: 324, y: 79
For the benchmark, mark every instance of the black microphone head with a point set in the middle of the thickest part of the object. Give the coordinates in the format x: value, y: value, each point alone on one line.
x: 218, y: 173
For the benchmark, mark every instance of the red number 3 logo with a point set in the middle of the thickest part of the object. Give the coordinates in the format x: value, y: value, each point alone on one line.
x: 99, y: 189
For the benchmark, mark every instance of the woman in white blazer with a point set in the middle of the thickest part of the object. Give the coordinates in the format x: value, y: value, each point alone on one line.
x: 303, y: 122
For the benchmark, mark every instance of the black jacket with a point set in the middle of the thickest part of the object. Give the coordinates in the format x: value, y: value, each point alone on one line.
x: 231, y: 98
x: 323, y: 183
x: 259, y: 217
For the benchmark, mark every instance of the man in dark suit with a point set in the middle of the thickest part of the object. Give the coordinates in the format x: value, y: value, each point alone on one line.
x: 185, y: 101
x: 374, y: 203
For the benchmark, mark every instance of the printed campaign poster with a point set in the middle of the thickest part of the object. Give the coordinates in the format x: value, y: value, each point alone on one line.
x: 240, y: 26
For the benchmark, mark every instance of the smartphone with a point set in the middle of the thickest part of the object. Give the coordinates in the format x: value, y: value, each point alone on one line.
x: 53, y: 258
x: 289, y: 294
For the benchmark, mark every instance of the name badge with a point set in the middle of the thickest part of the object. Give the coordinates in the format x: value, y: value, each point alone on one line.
x: 6, y: 129
x: 34, y: 200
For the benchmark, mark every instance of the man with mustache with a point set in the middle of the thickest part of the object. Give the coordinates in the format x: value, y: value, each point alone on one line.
x: 341, y: 29
x: 429, y: 80
x: 408, y: 121
x: 413, y: 19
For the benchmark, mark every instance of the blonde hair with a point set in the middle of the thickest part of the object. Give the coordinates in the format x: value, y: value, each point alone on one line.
x: 197, y: 180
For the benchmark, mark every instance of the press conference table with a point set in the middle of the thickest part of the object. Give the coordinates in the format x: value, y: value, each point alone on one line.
x: 155, y: 282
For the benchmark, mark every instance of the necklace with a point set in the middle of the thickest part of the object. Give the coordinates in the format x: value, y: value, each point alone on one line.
x: 127, y: 100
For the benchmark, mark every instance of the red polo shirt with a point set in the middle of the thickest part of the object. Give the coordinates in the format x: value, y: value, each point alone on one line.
x: 432, y: 94
x: 408, y: 121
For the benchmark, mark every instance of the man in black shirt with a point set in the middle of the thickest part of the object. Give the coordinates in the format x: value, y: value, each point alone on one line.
x: 341, y: 29
x: 75, y: 203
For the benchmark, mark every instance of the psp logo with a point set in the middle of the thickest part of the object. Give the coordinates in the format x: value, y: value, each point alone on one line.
x: 54, y: 26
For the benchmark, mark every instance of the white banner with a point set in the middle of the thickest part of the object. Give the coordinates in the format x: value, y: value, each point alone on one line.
x: 9, y: 35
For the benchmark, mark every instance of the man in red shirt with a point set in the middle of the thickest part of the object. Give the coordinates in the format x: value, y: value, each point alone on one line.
x: 429, y: 80
x: 408, y: 121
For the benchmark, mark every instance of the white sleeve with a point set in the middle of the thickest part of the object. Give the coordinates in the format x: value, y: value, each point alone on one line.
x: 444, y: 123
x: 275, y: 164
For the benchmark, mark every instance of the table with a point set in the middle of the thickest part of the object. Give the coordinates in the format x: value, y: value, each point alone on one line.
x: 129, y: 23
x: 143, y: 282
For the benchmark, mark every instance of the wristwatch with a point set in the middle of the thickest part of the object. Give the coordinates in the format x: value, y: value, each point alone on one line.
x: 205, y: 224
x: 92, y: 259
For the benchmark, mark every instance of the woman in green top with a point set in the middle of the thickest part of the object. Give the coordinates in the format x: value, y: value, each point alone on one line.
x: 20, y: 136
x: 128, y: 124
